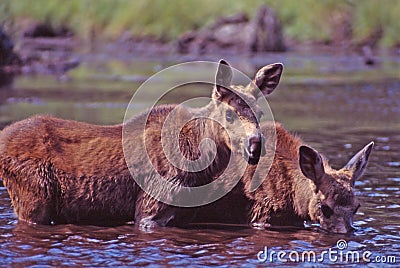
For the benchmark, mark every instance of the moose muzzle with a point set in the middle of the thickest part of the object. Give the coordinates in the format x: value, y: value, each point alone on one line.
x: 254, y: 148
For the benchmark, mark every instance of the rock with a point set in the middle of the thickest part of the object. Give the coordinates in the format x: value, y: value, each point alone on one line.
x: 41, y: 29
x: 236, y: 33
x: 145, y: 45
x: 267, y: 34
x: 7, y: 55
x: 368, y: 55
x: 45, y: 49
x: 221, y: 35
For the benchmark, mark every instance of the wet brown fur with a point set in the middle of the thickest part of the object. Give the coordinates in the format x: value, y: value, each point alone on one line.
x: 286, y: 196
x: 275, y: 200
x: 62, y: 171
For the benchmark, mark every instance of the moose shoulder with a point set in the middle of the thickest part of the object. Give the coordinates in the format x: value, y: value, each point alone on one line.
x: 61, y: 171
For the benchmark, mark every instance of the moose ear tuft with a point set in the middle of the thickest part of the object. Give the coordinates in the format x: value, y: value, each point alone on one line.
x: 311, y: 164
x: 223, y: 78
x: 267, y: 78
x: 359, y: 161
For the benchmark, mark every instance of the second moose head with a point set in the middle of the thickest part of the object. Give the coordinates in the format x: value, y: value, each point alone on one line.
x: 333, y: 202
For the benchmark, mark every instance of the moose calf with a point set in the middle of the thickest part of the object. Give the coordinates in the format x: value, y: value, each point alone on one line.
x: 297, y: 185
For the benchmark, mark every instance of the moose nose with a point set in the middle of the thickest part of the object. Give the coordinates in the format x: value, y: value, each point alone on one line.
x: 255, y: 147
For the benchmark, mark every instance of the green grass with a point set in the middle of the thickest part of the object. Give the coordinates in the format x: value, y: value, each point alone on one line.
x: 306, y: 20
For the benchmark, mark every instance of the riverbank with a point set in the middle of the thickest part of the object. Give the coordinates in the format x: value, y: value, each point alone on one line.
x: 328, y: 22
x: 54, y: 37
x: 57, y: 54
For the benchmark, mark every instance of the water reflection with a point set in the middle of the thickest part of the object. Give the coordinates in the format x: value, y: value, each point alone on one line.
x: 126, y: 245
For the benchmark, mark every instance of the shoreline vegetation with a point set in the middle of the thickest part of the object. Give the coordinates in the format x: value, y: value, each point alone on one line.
x: 328, y: 21
x: 192, y: 27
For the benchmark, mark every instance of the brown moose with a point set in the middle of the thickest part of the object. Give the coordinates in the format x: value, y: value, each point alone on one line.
x: 60, y: 171
x: 299, y: 186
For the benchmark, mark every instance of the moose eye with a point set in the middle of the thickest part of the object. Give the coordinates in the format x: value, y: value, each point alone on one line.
x: 229, y: 116
x: 240, y: 102
x: 355, y: 211
x: 327, y: 211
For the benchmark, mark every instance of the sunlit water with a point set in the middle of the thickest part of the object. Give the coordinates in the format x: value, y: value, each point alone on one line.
x: 335, y: 104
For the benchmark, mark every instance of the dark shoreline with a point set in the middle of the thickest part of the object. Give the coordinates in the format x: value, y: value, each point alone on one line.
x: 56, y: 56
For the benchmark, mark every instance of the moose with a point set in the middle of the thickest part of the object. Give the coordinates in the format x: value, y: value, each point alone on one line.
x: 298, y: 186
x: 62, y: 171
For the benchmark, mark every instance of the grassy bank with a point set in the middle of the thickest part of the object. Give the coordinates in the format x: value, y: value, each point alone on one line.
x: 306, y: 20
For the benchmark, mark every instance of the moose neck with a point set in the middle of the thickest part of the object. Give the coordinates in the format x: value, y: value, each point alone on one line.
x: 193, y: 144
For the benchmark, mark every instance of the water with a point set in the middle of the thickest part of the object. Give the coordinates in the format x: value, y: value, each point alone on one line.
x: 335, y: 104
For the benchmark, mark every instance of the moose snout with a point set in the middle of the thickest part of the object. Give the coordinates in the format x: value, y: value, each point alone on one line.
x: 343, y: 229
x: 255, y: 148
x: 339, y: 226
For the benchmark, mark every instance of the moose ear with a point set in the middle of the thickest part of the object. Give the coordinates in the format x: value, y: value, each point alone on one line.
x: 267, y: 78
x: 311, y: 164
x: 223, y: 79
x: 359, y: 161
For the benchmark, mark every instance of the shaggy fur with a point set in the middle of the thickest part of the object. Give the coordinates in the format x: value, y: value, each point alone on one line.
x: 299, y: 186
x: 62, y: 171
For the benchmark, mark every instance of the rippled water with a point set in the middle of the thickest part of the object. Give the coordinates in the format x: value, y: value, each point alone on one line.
x: 336, y: 105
